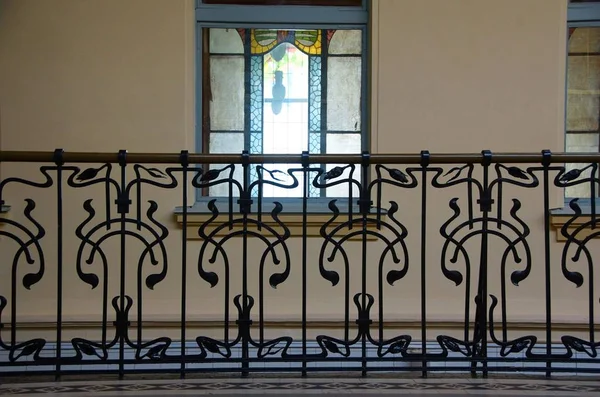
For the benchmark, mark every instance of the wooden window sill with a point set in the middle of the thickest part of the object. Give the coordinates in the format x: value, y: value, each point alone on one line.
x: 560, y: 216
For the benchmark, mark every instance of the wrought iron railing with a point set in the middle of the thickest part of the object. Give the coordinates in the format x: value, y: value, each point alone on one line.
x: 462, y: 236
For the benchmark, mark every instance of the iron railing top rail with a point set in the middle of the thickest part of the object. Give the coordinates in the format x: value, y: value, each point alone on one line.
x: 193, y: 158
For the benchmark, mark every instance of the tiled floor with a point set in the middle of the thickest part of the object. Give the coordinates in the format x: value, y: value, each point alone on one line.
x: 372, y: 385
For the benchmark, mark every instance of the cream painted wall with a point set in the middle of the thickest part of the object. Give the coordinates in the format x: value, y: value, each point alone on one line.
x: 465, y: 75
x: 448, y: 76
x: 97, y: 75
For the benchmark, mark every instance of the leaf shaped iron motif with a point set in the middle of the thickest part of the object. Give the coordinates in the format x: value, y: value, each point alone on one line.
x: 155, y: 352
x: 87, y: 349
x: 398, y: 175
x: 273, y: 173
x: 156, y: 173
x: 332, y: 347
x: 88, y: 174
x: 333, y: 173
x: 570, y: 176
x: 275, y: 346
x: 457, y: 171
x: 157, y: 349
x: 580, y: 345
x: 29, y: 350
x: 519, y: 345
x: 33, y: 346
x: 454, y: 345
x: 398, y: 345
x: 517, y: 173
x: 211, y: 175
x: 213, y: 346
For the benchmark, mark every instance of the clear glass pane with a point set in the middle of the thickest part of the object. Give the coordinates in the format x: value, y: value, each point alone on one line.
x: 583, y: 83
x: 581, y: 143
x: 582, y: 112
x: 227, y: 90
x: 286, y: 132
x: 343, y: 144
x: 285, y: 114
x: 286, y: 73
x: 343, y: 94
x: 346, y: 42
x: 585, y: 40
x: 225, y: 41
x: 225, y: 142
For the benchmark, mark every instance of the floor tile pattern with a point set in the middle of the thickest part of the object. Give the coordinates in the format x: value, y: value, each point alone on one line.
x: 239, y: 387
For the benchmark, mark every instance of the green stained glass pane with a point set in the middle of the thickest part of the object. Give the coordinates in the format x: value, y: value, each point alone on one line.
x: 227, y: 89
x: 343, y: 94
x: 346, y: 42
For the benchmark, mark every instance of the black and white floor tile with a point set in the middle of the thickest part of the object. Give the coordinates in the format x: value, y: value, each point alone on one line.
x: 305, y: 386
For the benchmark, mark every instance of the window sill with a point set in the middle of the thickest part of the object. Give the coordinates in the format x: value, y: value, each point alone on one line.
x: 3, y: 211
x: 560, y: 216
x: 318, y: 213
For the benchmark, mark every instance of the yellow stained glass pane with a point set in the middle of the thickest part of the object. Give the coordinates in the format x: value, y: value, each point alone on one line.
x: 263, y: 41
x: 308, y: 41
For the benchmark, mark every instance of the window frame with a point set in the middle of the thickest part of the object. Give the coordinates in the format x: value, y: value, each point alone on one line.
x: 289, y: 17
x: 579, y: 15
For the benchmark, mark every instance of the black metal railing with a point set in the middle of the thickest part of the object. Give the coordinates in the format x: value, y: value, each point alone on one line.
x: 93, y: 262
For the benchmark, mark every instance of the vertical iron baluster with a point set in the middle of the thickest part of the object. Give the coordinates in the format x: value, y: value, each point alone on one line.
x: 122, y: 206
x: 184, y: 161
x: 593, y: 195
x: 591, y: 302
x: 485, y: 203
x: 58, y: 160
x: 305, y: 165
x: 364, y: 206
x: 424, y: 165
x: 244, y: 321
x: 546, y: 160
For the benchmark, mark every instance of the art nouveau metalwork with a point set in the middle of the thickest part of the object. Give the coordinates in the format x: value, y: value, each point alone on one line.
x: 481, y: 247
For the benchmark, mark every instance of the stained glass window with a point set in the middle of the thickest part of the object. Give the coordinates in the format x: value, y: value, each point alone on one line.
x: 283, y: 91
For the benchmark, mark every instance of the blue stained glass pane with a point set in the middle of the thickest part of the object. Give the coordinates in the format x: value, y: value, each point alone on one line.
x: 314, y: 146
x: 314, y: 94
x: 256, y: 112
x: 256, y: 147
x: 256, y: 144
x: 314, y: 142
x: 256, y: 94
